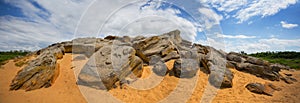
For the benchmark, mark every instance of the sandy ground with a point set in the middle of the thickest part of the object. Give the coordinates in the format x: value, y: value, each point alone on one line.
x: 64, y: 89
x: 156, y: 89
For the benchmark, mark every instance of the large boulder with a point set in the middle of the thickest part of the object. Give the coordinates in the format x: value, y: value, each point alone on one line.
x: 163, y: 45
x: 109, y: 65
x: 159, y: 67
x: 40, y: 72
x: 220, y: 75
x: 187, y: 65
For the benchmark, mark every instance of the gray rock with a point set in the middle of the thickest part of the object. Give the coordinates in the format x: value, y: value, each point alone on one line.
x: 86, y: 46
x: 188, y: 64
x: 159, y: 67
x: 255, y: 88
x: 257, y: 61
x: 109, y: 65
x: 185, y: 68
x: 277, y: 67
x: 267, y: 88
x: 258, y: 70
x: 234, y: 57
x: 219, y: 76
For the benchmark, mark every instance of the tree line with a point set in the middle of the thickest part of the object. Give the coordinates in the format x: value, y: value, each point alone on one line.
x: 15, y: 52
x: 279, y: 54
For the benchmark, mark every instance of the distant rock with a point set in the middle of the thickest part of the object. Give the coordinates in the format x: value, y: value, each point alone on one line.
x: 255, y: 66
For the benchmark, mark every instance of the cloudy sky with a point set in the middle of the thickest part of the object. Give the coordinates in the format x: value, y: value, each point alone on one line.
x: 231, y: 25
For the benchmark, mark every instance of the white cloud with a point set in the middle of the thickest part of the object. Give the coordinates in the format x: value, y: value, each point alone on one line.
x: 263, y: 8
x: 39, y: 28
x: 243, y: 10
x: 225, y: 5
x: 287, y: 25
x: 210, y: 17
x: 261, y: 45
x: 213, y: 42
x: 149, y: 20
x: 47, y: 23
x: 235, y: 36
x: 252, y: 45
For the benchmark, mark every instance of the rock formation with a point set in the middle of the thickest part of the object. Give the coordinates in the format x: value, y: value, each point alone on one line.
x: 114, y: 58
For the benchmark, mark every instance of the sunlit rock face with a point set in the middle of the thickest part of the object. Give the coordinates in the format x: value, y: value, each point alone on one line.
x: 113, y: 59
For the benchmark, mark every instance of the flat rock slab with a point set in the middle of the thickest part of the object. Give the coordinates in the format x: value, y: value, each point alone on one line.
x: 267, y: 88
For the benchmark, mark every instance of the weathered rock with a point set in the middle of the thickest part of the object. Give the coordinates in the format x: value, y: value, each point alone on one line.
x: 171, y: 55
x: 257, y: 61
x: 230, y: 64
x: 288, y: 79
x: 40, y: 72
x: 234, y: 57
x: 159, y: 45
x: 255, y: 88
x: 219, y: 76
x: 114, y: 58
x: 278, y: 67
x: 267, y: 88
x: 258, y: 70
x: 185, y: 68
x: 256, y: 66
x: 86, y: 46
x: 159, y: 67
x: 108, y: 65
x: 187, y: 65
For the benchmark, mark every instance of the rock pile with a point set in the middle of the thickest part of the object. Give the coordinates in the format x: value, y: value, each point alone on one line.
x: 114, y: 58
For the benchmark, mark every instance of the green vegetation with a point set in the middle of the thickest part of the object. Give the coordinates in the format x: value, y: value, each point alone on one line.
x: 289, y: 58
x: 11, y: 54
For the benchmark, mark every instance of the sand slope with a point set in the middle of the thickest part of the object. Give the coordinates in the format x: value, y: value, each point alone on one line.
x: 65, y: 89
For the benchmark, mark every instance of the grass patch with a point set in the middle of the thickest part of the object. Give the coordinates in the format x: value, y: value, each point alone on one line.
x: 288, y: 58
x: 293, y: 63
x: 7, y: 55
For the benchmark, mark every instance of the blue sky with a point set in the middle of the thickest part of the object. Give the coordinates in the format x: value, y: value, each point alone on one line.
x: 231, y: 25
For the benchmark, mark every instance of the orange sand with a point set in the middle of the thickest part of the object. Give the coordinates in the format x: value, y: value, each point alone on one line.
x: 66, y: 90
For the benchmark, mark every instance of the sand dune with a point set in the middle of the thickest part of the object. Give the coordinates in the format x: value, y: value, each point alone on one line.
x: 170, y: 89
